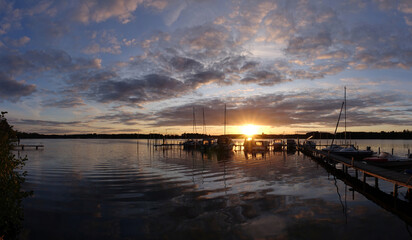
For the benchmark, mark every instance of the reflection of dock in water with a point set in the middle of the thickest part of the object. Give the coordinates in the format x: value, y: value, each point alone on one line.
x: 390, y: 202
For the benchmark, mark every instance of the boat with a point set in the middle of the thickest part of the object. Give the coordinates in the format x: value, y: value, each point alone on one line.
x: 291, y: 144
x: 277, y: 145
x: 208, y: 143
x: 309, y: 144
x: 192, y: 143
x: 224, y: 144
x: 347, y: 150
x: 386, y: 157
x: 250, y: 145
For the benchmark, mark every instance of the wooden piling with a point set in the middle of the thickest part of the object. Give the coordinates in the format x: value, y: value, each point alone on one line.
x: 395, y: 190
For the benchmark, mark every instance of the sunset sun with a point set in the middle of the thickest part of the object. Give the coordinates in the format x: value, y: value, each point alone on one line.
x: 249, y: 129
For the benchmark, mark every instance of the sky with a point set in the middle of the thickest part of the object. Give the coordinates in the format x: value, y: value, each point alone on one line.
x: 158, y: 66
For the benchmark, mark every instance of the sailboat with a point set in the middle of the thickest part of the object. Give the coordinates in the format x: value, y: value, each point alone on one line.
x: 192, y: 143
x: 225, y: 143
x: 346, y: 150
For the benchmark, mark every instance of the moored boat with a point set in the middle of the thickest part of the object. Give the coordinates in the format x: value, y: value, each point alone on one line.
x: 251, y: 144
x: 277, y: 145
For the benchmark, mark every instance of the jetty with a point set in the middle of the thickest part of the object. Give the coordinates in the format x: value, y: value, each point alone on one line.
x: 398, y: 179
x: 25, y: 146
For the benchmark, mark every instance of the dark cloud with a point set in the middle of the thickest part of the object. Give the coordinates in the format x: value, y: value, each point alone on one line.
x: 46, y: 123
x: 309, y: 45
x: 125, y: 118
x: 148, y: 88
x: 13, y: 90
x: 45, y: 60
x: 183, y: 64
x: 264, y: 78
x: 203, y: 78
x: 82, y: 80
x: 64, y: 102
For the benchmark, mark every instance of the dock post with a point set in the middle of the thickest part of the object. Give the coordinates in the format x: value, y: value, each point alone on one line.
x: 37, y: 147
x: 379, y: 150
x: 395, y: 190
x: 376, y: 183
x: 392, y: 151
x: 409, y: 152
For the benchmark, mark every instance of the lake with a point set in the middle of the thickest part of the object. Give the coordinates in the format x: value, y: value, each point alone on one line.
x: 127, y: 189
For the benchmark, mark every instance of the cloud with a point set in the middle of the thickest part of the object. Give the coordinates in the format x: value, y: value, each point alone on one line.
x: 317, y: 107
x: 264, y: 78
x: 45, y: 60
x: 46, y: 123
x: 17, y: 42
x: 309, y: 45
x: 64, y: 102
x: 405, y: 6
x: 100, y: 11
x: 151, y: 87
x: 13, y: 90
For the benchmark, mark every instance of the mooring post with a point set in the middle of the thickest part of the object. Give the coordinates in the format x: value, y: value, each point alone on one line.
x: 395, y: 190
x: 379, y: 150
x: 392, y: 151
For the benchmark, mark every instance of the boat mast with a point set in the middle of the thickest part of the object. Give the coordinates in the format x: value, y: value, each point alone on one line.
x: 204, y: 123
x: 345, y: 116
x: 337, y: 124
x: 194, y: 121
x: 225, y: 122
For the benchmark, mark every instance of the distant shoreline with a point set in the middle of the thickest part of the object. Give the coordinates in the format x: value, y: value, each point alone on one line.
x: 406, y: 134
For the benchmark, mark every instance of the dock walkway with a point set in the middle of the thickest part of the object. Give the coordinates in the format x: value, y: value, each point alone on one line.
x: 23, y: 146
x: 397, y: 178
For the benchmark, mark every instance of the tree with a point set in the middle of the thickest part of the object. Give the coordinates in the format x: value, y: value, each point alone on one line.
x: 11, y: 178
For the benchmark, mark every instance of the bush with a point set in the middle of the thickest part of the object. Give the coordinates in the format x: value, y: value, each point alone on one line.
x: 11, y: 178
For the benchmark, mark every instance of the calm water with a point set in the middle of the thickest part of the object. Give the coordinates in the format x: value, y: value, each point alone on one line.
x: 126, y: 189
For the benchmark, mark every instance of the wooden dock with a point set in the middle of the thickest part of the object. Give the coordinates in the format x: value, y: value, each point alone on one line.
x: 396, y: 178
x: 23, y: 146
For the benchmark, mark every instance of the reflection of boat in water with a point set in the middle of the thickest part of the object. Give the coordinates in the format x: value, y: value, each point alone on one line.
x: 250, y: 144
x: 291, y: 145
x: 191, y: 144
x: 277, y: 145
x: 224, y: 144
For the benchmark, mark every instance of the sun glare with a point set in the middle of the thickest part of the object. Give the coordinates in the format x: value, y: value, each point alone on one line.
x: 250, y: 129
